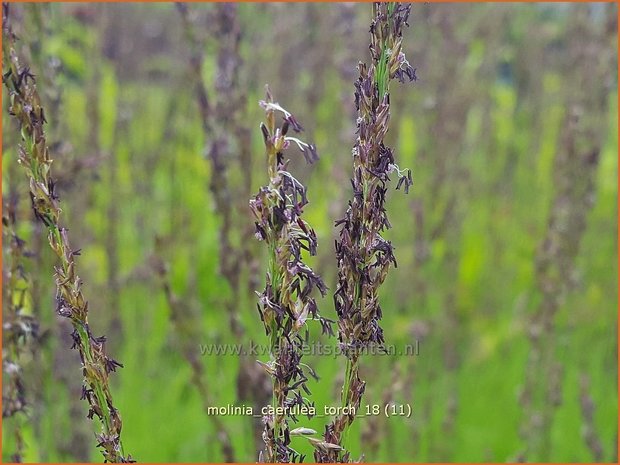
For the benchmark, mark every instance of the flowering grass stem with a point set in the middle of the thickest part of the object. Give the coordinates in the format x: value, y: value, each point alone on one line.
x: 286, y: 305
x: 34, y: 156
x: 364, y: 256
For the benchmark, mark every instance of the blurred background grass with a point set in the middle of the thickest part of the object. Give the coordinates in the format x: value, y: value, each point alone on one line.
x: 480, y: 131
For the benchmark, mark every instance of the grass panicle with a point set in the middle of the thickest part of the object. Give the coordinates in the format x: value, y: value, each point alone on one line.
x: 286, y: 304
x: 34, y: 156
x: 364, y: 256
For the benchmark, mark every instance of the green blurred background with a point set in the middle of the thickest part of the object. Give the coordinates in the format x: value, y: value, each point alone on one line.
x: 482, y: 129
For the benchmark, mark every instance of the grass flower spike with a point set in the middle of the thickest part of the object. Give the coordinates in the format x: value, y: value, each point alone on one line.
x: 364, y: 256
x: 34, y: 157
x: 286, y: 303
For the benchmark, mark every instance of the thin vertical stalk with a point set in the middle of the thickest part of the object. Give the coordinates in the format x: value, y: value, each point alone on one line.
x: 588, y: 429
x: 228, y: 146
x: 575, y: 168
x: 226, y: 136
x: 182, y: 318
x: 20, y: 330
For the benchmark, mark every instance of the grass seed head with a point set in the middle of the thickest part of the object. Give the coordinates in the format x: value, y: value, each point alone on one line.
x: 286, y: 305
x: 25, y: 107
x: 364, y: 256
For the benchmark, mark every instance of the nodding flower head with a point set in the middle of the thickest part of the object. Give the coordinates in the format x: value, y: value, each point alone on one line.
x: 276, y: 138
